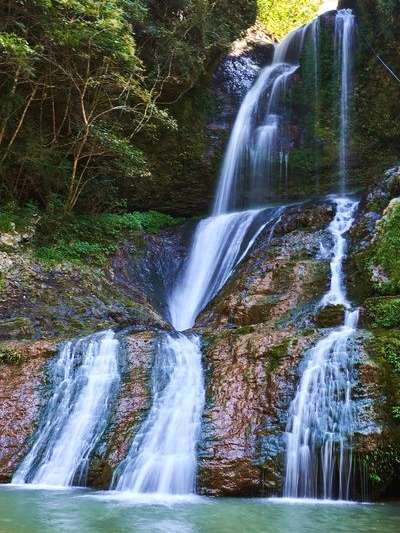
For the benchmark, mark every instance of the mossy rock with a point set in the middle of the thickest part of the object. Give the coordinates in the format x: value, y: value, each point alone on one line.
x: 276, y: 354
x: 330, y: 316
x: 245, y: 330
x: 100, y: 473
x: 16, y: 328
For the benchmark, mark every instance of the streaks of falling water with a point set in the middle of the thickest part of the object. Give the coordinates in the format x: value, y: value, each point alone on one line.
x: 162, y: 457
x: 315, y: 42
x: 219, y: 244
x: 257, y: 147
x: 85, y: 375
x: 319, y: 429
x: 344, y: 40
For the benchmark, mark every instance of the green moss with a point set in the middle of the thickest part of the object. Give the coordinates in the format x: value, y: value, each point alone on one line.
x: 383, y: 312
x: 383, y: 463
x: 10, y: 356
x: 386, y: 249
x: 330, y: 316
x: 275, y: 355
x: 385, y: 351
x: 79, y: 239
x: 244, y: 330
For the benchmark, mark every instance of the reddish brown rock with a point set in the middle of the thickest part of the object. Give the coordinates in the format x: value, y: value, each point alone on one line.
x: 20, y: 401
x: 134, y: 399
x: 248, y: 380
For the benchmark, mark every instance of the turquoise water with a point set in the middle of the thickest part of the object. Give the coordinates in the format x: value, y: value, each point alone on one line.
x: 45, y: 511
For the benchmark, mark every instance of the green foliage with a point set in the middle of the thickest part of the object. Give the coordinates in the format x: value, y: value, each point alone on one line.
x: 87, y: 90
x: 385, y: 350
x: 389, y: 349
x: 376, y: 130
x: 281, y: 16
x: 396, y: 413
x: 382, y: 463
x: 386, y: 250
x: 16, y: 50
x: 93, y: 238
x: 383, y: 312
x: 15, y: 217
x: 10, y: 356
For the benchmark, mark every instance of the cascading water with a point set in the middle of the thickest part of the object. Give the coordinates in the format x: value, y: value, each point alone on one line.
x: 320, y: 422
x: 162, y: 457
x: 219, y: 244
x: 315, y: 43
x: 258, y: 148
x: 85, y: 375
x: 344, y: 40
x: 318, y: 461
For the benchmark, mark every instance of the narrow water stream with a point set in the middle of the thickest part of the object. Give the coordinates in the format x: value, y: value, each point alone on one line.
x: 320, y: 421
x: 84, y: 375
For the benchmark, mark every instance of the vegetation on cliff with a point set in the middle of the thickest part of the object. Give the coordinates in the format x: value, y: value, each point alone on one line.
x: 281, y: 16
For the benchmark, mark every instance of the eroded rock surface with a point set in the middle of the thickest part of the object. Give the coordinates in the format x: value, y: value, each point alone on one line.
x: 130, y: 407
x: 21, y: 396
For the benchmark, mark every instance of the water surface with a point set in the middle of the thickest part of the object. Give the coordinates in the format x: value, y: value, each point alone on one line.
x: 83, y: 511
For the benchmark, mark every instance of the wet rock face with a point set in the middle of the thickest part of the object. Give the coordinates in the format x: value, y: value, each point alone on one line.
x: 21, y: 390
x: 250, y: 380
x: 150, y: 271
x: 130, y: 408
x: 280, y: 281
x: 232, y: 78
x: 330, y: 316
x: 256, y: 333
x: 67, y: 301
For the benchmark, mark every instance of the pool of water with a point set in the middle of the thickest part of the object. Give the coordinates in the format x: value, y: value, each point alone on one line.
x: 45, y: 511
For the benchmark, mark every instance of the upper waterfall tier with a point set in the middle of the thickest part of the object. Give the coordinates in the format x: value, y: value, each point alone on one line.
x: 258, y: 148
x: 344, y: 41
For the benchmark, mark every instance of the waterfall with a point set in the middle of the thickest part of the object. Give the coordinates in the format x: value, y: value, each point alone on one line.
x: 162, y: 456
x: 219, y: 244
x: 84, y: 377
x: 318, y: 460
x: 320, y: 421
x: 258, y: 146
x: 315, y: 43
x: 344, y: 39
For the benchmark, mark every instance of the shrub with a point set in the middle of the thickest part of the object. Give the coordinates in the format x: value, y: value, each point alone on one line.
x: 387, y: 247
x: 77, y: 238
x: 10, y: 356
x: 281, y: 16
x: 383, y: 312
